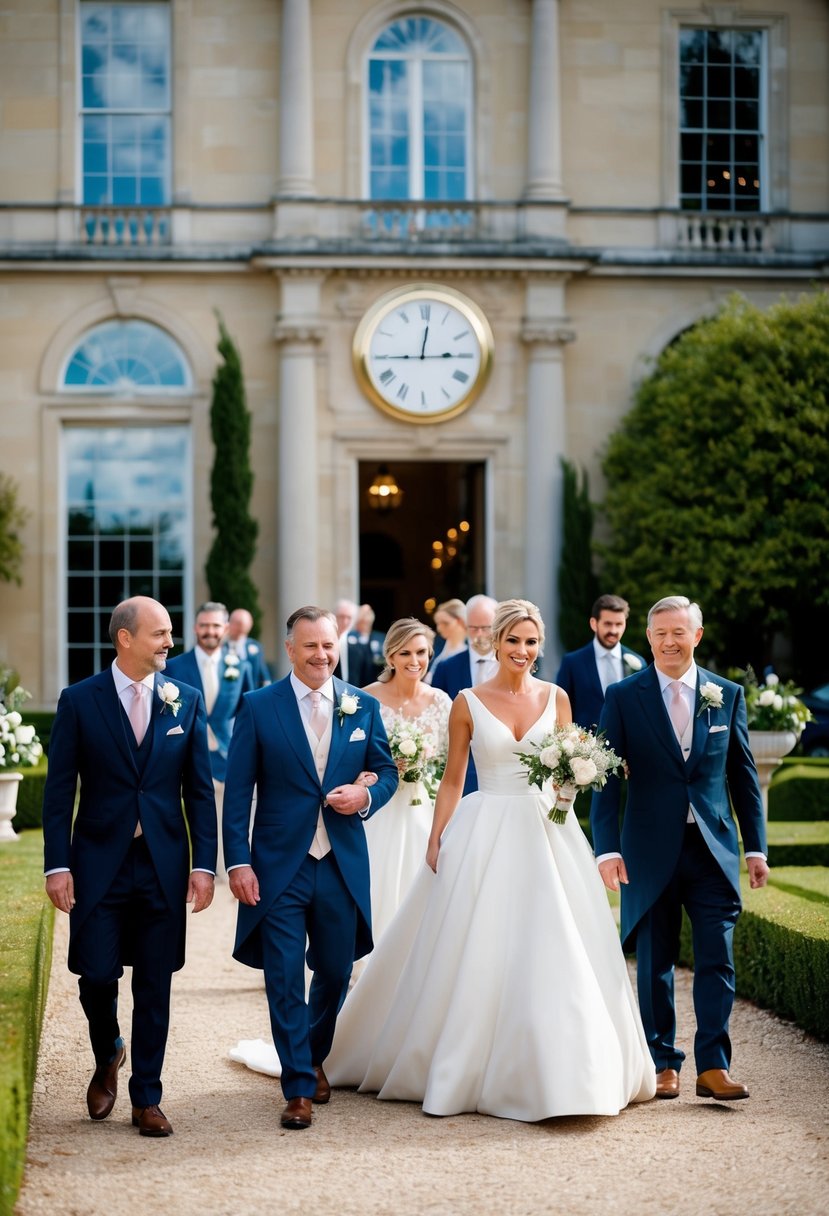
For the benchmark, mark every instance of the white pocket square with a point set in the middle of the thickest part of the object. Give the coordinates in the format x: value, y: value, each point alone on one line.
x: 356, y: 735
x: 176, y: 730
x: 712, y: 729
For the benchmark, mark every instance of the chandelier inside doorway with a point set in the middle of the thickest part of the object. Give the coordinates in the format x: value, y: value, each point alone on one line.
x: 384, y: 494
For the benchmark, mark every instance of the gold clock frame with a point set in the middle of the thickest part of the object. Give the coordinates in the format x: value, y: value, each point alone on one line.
x: 385, y: 304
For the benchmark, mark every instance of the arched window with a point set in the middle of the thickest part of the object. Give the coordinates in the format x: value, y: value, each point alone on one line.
x: 419, y: 94
x: 127, y: 518
x: 127, y: 357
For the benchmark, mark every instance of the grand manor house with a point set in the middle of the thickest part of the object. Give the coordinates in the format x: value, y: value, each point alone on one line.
x: 446, y: 237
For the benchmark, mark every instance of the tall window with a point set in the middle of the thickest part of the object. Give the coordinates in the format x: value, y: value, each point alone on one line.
x: 419, y: 112
x: 125, y: 104
x: 722, y: 119
x: 126, y: 490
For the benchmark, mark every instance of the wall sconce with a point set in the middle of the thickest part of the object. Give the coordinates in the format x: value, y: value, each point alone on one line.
x: 384, y: 494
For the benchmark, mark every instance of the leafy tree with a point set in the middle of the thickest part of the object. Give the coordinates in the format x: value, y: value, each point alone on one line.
x: 718, y: 481
x: 12, y: 519
x: 231, y: 482
x: 577, y: 584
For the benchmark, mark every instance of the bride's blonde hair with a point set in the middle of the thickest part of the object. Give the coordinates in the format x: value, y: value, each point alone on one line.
x: 399, y: 634
x: 510, y: 613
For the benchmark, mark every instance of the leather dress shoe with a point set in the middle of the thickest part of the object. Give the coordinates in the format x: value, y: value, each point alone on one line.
x: 150, y: 1121
x: 322, y: 1093
x: 103, y: 1088
x: 715, y: 1083
x: 667, y: 1083
x: 297, y: 1114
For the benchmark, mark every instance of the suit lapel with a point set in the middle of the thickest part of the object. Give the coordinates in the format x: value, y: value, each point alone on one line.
x: 701, y: 722
x: 340, y: 731
x: 653, y: 706
x: 106, y: 698
x: 593, y: 672
x: 289, y: 720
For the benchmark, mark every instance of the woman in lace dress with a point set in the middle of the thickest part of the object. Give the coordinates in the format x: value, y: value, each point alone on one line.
x: 500, y: 985
x: 398, y: 835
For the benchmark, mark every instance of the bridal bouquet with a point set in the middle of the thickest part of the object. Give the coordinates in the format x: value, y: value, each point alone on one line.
x: 571, y: 759
x: 412, y: 751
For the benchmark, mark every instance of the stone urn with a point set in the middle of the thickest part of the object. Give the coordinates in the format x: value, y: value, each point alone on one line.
x: 768, y: 748
x: 9, y: 785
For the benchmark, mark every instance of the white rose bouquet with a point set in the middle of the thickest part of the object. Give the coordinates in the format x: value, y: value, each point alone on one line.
x: 571, y: 760
x: 775, y: 704
x: 412, y: 750
x: 19, y: 744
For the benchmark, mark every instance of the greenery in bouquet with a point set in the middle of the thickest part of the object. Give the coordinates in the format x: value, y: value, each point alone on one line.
x: 571, y: 759
x: 413, y: 751
x: 773, y: 705
x: 19, y: 745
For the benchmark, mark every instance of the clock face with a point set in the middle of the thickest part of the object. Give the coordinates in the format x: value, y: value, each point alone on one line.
x: 423, y: 353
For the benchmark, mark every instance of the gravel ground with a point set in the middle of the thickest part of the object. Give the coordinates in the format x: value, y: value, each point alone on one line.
x: 364, y: 1157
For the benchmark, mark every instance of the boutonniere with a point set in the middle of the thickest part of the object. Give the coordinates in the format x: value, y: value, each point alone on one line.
x: 349, y: 704
x: 632, y: 661
x: 710, y: 696
x: 232, y: 666
x: 170, y: 698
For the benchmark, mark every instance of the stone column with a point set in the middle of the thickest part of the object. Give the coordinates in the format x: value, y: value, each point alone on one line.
x: 296, y: 110
x: 546, y: 431
x: 298, y: 332
x: 544, y: 136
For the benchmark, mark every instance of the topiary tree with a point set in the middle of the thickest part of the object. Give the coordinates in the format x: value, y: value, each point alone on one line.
x: 12, y: 519
x: 578, y: 586
x: 231, y: 482
x: 718, y: 481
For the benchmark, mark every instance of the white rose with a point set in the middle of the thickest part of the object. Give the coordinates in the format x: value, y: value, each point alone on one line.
x: 766, y: 697
x: 168, y: 693
x: 407, y: 747
x: 713, y: 694
x: 632, y: 661
x: 549, y: 756
x: 2, y: 751
x: 584, y: 771
x: 772, y: 680
x: 231, y: 659
x: 568, y: 746
x: 13, y: 719
x: 349, y: 703
x: 37, y: 750
x: 25, y: 735
x: 778, y: 701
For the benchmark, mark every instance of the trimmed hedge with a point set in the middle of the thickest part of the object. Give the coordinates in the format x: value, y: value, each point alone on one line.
x: 781, y: 946
x: 26, y: 922
x: 800, y: 791
x: 30, y: 797
x: 798, y: 844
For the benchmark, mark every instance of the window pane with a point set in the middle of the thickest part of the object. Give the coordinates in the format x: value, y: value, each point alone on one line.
x: 124, y: 356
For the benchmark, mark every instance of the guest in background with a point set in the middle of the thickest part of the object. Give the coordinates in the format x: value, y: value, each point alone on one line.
x: 472, y: 666
x: 586, y: 674
x: 355, y: 664
x: 450, y: 622
x: 239, y: 626
x: 367, y: 635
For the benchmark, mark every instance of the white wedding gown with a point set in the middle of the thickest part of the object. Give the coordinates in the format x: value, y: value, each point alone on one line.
x: 398, y: 834
x: 500, y: 986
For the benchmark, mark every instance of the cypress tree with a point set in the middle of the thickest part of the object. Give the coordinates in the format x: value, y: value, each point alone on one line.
x: 231, y: 482
x: 577, y: 584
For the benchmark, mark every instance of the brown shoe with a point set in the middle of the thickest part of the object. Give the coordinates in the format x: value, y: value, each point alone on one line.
x: 103, y: 1088
x: 715, y: 1083
x: 667, y: 1083
x: 323, y: 1090
x: 150, y: 1121
x: 297, y: 1114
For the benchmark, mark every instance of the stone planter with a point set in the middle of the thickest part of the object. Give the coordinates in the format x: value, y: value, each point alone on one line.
x: 9, y: 785
x: 768, y: 748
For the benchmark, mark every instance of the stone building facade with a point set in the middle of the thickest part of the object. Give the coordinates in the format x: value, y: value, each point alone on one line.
x: 590, y: 177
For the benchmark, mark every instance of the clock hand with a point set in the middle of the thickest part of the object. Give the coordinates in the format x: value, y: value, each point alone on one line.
x: 423, y: 347
x: 447, y: 354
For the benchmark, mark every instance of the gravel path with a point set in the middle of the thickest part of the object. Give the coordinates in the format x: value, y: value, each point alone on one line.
x: 229, y: 1155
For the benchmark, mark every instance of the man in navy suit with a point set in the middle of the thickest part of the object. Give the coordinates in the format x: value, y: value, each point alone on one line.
x: 222, y: 678
x: 586, y: 674
x: 471, y: 666
x: 355, y: 664
x: 239, y: 625
x: 131, y: 860
x: 304, y: 742
x: 683, y: 733
x: 365, y: 634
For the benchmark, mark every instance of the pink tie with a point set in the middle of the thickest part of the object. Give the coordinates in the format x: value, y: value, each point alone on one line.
x: 318, y: 719
x: 680, y: 714
x: 137, y: 716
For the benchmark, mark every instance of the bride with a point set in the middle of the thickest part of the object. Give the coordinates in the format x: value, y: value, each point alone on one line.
x: 500, y: 986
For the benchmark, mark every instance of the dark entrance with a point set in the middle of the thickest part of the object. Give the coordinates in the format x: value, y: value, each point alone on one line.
x: 426, y: 547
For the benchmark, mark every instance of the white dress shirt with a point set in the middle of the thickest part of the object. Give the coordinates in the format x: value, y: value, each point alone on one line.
x: 608, y: 663
x: 484, y: 667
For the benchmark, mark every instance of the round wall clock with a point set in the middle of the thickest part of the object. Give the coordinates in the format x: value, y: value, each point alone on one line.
x: 423, y: 353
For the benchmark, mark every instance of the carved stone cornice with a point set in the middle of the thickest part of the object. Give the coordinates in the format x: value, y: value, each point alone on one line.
x: 303, y: 333
x: 546, y: 333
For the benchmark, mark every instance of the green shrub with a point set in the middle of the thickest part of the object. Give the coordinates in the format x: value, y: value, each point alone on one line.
x: 800, y: 791
x: 798, y: 844
x: 30, y: 798
x: 26, y: 921
x: 781, y: 946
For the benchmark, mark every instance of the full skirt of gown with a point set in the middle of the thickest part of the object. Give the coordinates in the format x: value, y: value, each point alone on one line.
x: 500, y: 985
